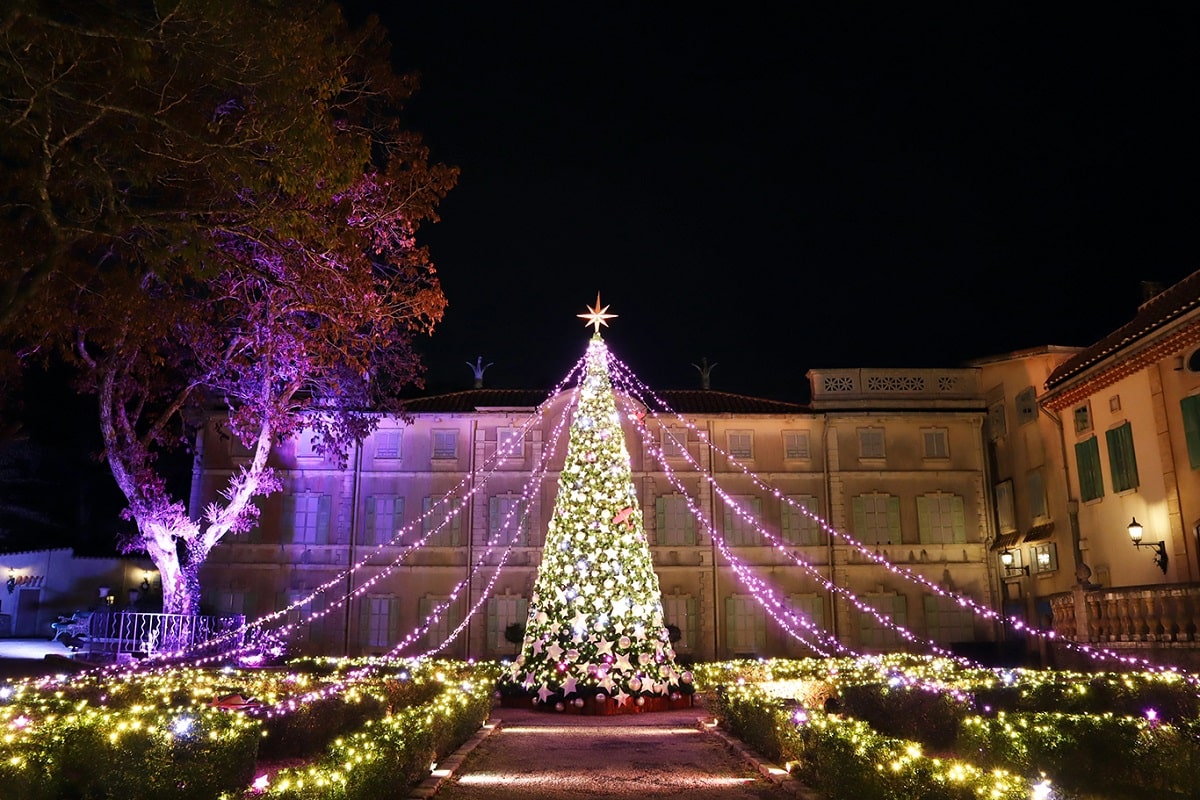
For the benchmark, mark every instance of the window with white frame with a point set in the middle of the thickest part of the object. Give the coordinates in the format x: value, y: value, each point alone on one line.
x: 946, y: 621
x: 745, y: 625
x: 941, y: 519
x: 445, y: 523
x: 1006, y: 513
x: 936, y: 442
x: 510, y: 442
x: 445, y: 444
x: 674, y: 521
x: 384, y: 518
x: 448, y: 619
x: 672, y: 441
x: 798, y: 527
x: 681, y: 611
x: 743, y: 516
x: 308, y: 513
x: 1045, y: 558
x: 504, y: 610
x: 379, y: 621
x: 1082, y: 415
x: 741, y: 444
x: 795, y: 444
x: 877, y: 630
x: 870, y: 443
x: 506, y: 522
x: 387, y: 444
x: 876, y: 518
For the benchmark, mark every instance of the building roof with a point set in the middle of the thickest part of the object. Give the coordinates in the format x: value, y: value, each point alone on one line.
x: 1153, y: 315
x: 684, y: 401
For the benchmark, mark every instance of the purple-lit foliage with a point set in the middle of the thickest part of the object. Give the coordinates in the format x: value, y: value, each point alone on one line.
x: 229, y: 222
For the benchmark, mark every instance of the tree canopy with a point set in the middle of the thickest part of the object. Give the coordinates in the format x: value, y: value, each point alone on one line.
x: 212, y: 202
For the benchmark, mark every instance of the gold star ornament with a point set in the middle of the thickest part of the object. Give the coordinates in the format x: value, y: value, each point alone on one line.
x: 596, y: 315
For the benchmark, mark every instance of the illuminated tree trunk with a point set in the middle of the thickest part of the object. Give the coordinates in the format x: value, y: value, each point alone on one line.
x: 595, y: 626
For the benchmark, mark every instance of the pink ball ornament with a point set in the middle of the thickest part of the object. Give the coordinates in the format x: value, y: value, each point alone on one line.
x: 559, y: 706
x: 641, y: 701
x: 686, y: 677
x: 577, y: 702
x: 635, y: 683
x: 601, y: 697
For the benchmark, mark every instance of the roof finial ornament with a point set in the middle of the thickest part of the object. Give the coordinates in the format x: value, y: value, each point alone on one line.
x: 596, y: 315
x: 479, y: 368
x: 705, y: 370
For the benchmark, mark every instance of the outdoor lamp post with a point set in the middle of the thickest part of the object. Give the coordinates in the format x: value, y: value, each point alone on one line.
x: 1159, y: 548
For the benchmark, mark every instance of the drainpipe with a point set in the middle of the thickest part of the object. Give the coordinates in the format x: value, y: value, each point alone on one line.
x: 1082, y: 571
x: 356, y: 484
x: 829, y: 539
x: 467, y: 510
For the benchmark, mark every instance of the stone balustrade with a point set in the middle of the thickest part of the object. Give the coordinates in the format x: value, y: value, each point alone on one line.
x: 1166, y: 615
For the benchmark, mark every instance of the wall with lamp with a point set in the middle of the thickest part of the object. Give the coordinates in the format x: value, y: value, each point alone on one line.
x: 1008, y: 559
x: 1159, y: 547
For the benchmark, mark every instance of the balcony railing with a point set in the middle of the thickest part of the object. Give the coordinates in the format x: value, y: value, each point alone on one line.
x: 1164, y: 615
x: 112, y: 636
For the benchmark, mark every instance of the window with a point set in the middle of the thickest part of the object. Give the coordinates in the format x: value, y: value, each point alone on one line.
x: 504, y: 610
x: 232, y: 602
x: 506, y: 521
x: 745, y: 625
x: 1027, y: 409
x: 878, y: 630
x: 811, y: 606
x: 1087, y: 459
x: 1083, y: 418
x: 446, y: 522
x: 936, y: 441
x: 1045, y: 558
x: 1035, y: 482
x: 941, y: 519
x: 1190, y: 408
x: 795, y: 444
x: 387, y: 444
x: 946, y: 621
x: 441, y: 628
x: 445, y: 444
x: 798, y: 527
x: 674, y: 523
x: 870, y: 443
x: 385, y: 517
x: 738, y: 529
x: 741, y: 444
x: 1121, y: 459
x: 379, y: 621
x: 997, y: 421
x: 673, y: 442
x: 306, y: 445
x: 308, y: 515
x: 1114, y: 403
x: 877, y: 518
x: 680, y: 610
x: 1006, y: 514
x: 510, y: 442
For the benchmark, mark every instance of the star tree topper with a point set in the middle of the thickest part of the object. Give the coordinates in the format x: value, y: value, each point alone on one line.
x: 596, y: 315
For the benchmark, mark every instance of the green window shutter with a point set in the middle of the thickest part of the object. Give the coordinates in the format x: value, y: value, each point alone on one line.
x: 493, y: 634
x: 660, y: 518
x: 287, y: 523
x: 324, y: 512
x: 893, y: 518
x: 493, y: 515
x: 1121, y: 458
x: 393, y: 626
x: 523, y: 611
x: 923, y: 518
x: 860, y: 517
x: 1190, y: 408
x: 689, y: 524
x: 730, y: 623
x: 730, y: 536
x: 958, y: 516
x: 1087, y: 459
x: 693, y: 619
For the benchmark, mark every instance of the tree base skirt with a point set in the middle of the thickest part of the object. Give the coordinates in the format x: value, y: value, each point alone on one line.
x: 606, y: 708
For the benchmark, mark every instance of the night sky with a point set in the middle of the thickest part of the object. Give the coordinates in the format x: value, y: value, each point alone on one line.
x: 785, y: 189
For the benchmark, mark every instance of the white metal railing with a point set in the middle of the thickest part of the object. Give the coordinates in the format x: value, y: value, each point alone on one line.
x: 110, y: 635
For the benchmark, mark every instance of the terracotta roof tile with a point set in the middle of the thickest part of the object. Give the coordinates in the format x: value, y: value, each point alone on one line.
x: 685, y: 401
x: 1152, y: 315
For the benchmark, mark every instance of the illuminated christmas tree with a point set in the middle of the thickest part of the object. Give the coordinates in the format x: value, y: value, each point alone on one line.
x: 595, y: 636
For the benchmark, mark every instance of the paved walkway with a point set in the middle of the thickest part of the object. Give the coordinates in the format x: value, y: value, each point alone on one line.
x: 537, y: 755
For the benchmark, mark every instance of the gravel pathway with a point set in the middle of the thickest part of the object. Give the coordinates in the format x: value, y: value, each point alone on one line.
x: 534, y: 755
